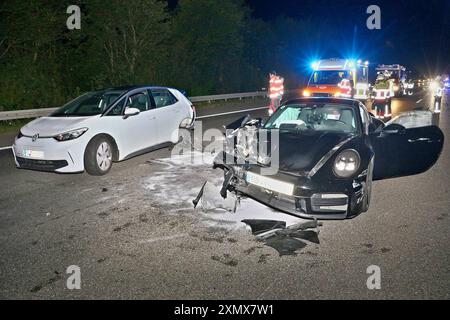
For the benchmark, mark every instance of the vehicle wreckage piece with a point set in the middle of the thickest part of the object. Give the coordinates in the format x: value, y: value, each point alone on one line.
x: 286, y: 240
x: 279, y: 229
x: 210, y: 199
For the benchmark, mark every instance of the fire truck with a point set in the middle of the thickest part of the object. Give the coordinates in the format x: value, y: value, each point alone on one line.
x: 339, y: 78
x: 397, y: 74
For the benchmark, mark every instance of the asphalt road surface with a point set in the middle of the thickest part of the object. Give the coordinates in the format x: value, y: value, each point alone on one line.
x: 135, y: 235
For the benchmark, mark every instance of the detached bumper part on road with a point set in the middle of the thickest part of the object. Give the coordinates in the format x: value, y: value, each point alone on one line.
x: 309, y: 200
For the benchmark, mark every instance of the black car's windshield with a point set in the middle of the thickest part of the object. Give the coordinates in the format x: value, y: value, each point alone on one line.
x: 328, y: 77
x: 314, y: 117
x: 89, y: 104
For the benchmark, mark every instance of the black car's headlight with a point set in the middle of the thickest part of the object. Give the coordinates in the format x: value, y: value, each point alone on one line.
x: 346, y: 163
x: 70, y: 135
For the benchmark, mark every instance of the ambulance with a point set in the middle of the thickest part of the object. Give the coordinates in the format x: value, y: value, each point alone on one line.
x: 345, y: 78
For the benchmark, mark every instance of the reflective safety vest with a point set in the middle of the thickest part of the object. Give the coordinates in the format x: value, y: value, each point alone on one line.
x: 276, y: 87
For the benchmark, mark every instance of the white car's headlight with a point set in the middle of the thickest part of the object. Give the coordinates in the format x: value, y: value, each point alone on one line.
x: 346, y: 163
x: 70, y: 135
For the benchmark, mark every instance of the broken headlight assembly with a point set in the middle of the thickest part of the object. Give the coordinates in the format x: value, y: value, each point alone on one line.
x: 246, y: 141
x: 346, y: 163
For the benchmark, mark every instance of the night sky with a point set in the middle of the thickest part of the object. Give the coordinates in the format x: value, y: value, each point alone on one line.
x: 414, y: 33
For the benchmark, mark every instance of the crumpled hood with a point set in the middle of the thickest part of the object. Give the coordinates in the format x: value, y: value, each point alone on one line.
x: 300, y: 152
x: 52, y: 126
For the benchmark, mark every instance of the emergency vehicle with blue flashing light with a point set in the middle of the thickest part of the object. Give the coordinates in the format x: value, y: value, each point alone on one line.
x: 345, y: 78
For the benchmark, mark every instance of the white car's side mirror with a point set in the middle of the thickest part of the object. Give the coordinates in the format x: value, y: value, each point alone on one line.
x: 131, y: 112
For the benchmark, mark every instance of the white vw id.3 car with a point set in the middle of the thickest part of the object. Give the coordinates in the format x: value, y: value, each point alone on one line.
x: 100, y: 127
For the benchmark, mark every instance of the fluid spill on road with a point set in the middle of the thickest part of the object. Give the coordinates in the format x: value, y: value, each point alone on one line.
x: 176, y: 181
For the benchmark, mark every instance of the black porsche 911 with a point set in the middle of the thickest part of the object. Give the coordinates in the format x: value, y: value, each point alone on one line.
x: 327, y: 153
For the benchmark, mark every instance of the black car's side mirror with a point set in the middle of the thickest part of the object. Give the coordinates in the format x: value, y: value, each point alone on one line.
x: 394, y: 128
x: 243, y: 122
x: 257, y: 122
x: 260, y: 122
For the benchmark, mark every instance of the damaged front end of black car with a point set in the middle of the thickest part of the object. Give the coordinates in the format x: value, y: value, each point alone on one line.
x: 316, y: 158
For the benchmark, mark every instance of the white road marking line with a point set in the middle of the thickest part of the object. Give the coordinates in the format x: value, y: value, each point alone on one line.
x: 231, y: 112
x: 419, y: 101
x: 5, y: 148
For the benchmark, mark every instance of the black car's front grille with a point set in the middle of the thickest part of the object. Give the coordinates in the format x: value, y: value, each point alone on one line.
x: 328, y: 202
x: 41, y: 165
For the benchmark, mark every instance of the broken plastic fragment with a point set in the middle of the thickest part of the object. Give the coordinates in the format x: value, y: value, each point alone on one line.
x: 210, y: 199
x: 286, y: 240
x: 199, y: 196
x: 226, y: 182
x: 286, y: 246
x: 261, y: 226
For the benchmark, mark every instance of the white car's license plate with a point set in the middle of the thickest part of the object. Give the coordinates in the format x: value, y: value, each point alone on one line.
x: 270, y: 184
x: 33, y: 153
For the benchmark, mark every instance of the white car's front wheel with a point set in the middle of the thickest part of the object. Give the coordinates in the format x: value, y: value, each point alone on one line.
x: 98, y: 156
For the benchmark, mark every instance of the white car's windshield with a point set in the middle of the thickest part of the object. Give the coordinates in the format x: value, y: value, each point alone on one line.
x: 89, y: 104
x: 314, y: 117
x: 329, y: 77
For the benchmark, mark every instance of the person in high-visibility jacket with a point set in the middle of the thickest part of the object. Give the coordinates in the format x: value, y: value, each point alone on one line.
x: 383, y: 91
x: 276, y: 91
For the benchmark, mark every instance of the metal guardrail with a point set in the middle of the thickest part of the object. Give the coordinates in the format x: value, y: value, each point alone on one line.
x: 23, y: 114
x: 228, y: 96
x: 35, y: 113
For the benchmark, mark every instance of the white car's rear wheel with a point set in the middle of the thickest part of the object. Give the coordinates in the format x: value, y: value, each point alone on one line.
x: 98, y: 157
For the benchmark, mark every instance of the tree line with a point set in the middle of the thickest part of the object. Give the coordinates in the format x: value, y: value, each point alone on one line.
x: 200, y: 46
